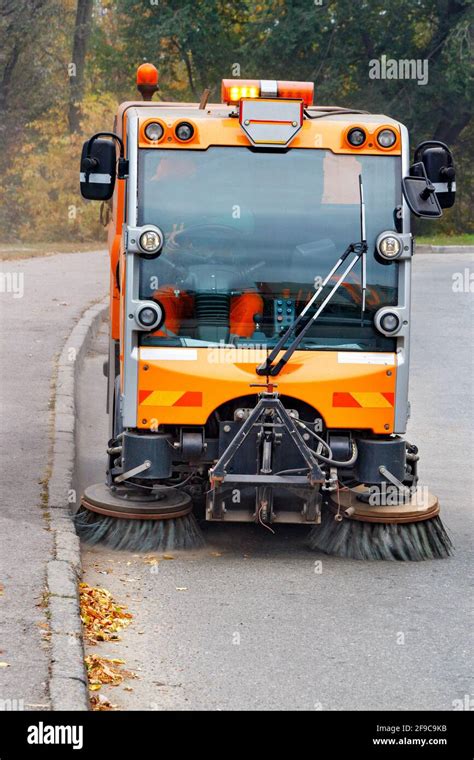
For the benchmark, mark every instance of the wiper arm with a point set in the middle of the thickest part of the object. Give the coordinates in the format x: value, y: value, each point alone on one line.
x: 267, y: 367
x: 359, y: 250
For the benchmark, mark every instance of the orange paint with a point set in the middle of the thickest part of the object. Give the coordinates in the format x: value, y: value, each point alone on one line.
x: 222, y: 374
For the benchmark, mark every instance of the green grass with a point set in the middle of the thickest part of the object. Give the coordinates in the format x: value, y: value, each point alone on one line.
x: 464, y: 239
x: 23, y: 251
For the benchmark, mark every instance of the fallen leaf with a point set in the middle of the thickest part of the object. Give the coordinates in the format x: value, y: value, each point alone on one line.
x: 216, y: 554
x: 168, y: 556
x: 150, y: 559
x: 101, y: 703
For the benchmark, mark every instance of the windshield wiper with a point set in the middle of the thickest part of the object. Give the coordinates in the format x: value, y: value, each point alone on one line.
x: 359, y: 250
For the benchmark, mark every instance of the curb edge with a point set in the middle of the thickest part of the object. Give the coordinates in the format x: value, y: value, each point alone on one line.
x: 68, y: 687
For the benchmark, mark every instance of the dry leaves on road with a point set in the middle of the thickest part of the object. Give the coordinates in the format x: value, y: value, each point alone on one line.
x: 101, y: 616
x: 99, y: 703
x: 151, y: 559
x: 108, y: 671
x: 104, y: 670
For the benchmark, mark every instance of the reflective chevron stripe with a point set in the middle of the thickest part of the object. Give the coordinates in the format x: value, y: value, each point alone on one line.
x: 169, y: 398
x: 363, y: 400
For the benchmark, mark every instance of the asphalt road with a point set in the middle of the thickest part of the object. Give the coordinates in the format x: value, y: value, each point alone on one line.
x: 247, y: 622
x: 40, y: 301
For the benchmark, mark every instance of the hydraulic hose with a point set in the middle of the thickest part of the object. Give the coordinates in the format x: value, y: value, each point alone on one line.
x: 329, y: 460
x: 334, y: 463
x: 315, y: 435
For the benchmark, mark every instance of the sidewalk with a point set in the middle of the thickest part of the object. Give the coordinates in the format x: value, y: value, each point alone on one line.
x: 40, y: 301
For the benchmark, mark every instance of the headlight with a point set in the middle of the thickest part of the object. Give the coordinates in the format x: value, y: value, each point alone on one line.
x: 390, y: 322
x: 184, y: 131
x: 389, y: 245
x: 151, y: 241
x: 387, y: 321
x: 356, y: 137
x: 386, y: 138
x: 154, y: 131
x: 150, y: 315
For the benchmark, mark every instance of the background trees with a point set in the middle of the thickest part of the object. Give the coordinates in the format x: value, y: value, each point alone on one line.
x: 45, y: 108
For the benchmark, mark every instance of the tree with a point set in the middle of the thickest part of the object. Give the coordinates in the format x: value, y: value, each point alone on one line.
x: 82, y: 28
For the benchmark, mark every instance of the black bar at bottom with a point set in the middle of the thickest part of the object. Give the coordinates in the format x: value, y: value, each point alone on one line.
x: 123, y: 735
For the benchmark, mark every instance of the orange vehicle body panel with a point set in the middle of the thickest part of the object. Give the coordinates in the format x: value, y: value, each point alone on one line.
x: 221, y: 374
x: 222, y: 130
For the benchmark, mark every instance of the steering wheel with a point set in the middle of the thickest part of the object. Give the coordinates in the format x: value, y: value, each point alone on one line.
x: 202, y: 233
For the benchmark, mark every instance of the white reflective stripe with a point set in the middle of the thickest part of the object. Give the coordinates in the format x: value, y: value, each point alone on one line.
x: 360, y: 357
x: 442, y: 187
x: 100, y: 179
x: 169, y: 354
x: 268, y: 88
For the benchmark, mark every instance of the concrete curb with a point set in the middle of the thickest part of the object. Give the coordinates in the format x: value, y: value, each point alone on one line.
x: 67, y: 681
x: 421, y: 248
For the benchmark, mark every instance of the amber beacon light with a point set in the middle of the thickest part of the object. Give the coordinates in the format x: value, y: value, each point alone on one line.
x: 147, y: 80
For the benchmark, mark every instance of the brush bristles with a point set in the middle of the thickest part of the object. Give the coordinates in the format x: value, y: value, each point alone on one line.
x: 355, y: 539
x: 138, y: 535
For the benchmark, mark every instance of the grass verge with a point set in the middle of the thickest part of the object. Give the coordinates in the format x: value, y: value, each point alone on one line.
x: 465, y: 239
x: 17, y: 251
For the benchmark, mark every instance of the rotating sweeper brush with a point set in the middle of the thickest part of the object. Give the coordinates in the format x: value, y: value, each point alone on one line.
x: 258, y: 360
x: 123, y: 518
x: 410, y: 531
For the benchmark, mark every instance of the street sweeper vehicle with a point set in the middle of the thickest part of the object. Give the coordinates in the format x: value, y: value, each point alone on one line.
x: 260, y: 276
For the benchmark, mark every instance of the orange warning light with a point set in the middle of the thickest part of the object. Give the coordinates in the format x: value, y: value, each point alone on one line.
x: 147, y: 80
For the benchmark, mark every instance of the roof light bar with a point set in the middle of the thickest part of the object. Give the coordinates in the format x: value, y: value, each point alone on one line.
x: 233, y: 90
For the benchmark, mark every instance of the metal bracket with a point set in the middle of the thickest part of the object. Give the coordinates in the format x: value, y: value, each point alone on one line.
x: 268, y: 403
x: 135, y: 471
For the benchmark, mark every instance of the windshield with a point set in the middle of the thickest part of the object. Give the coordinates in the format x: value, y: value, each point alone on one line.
x: 249, y: 233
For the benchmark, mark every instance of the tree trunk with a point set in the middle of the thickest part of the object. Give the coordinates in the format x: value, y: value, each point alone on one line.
x: 76, y: 79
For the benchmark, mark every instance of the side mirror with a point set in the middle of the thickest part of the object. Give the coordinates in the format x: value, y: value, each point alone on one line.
x: 420, y: 195
x: 438, y: 163
x: 98, y: 167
